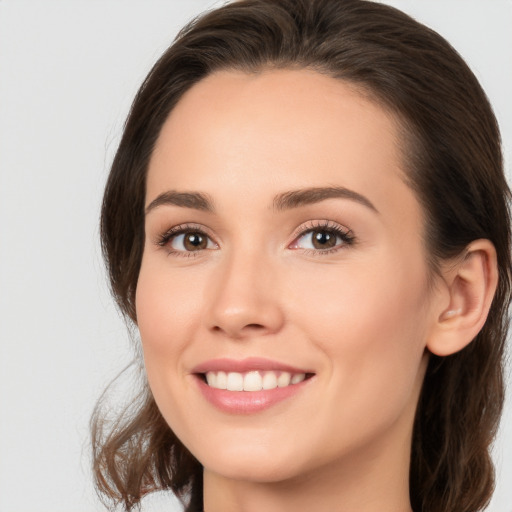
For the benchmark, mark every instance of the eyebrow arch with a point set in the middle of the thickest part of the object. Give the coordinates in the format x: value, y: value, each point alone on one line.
x: 302, y: 197
x: 194, y: 200
x: 283, y: 201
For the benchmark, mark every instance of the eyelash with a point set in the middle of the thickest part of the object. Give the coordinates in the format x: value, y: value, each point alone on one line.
x: 346, y: 236
x: 181, y: 229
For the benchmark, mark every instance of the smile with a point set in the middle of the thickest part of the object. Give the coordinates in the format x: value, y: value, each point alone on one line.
x: 249, y: 386
x: 252, y: 381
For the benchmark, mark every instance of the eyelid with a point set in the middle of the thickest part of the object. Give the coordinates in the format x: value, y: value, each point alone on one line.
x: 339, y: 230
x: 343, y: 232
x: 164, y: 238
x: 326, y: 224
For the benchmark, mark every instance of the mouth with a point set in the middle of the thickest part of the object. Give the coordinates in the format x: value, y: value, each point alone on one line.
x: 250, y: 385
x: 251, y: 381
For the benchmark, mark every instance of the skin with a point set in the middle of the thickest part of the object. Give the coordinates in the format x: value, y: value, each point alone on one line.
x: 360, y: 317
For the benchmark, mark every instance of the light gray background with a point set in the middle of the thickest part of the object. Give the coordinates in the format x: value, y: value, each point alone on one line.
x: 68, y: 72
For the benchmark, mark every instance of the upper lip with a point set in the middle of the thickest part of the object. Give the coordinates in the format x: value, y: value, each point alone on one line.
x: 245, y: 365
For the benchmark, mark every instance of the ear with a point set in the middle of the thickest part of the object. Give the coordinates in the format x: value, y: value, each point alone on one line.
x: 470, y: 285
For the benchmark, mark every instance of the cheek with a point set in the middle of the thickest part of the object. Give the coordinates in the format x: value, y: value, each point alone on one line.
x: 385, y: 299
x: 371, y: 327
x: 168, y: 312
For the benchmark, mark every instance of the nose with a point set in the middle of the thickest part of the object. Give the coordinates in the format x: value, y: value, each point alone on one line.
x: 243, y: 299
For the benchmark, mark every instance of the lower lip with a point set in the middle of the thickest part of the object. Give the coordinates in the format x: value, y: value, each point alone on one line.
x: 248, y: 402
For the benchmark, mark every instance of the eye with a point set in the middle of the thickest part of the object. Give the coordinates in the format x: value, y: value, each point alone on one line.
x: 186, y: 239
x: 323, y: 237
x: 190, y: 241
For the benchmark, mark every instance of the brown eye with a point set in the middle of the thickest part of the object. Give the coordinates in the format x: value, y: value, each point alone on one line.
x: 194, y: 241
x: 190, y: 241
x: 323, y: 239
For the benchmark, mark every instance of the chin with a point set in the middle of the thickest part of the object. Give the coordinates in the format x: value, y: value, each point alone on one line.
x: 252, y: 471
x: 255, y: 463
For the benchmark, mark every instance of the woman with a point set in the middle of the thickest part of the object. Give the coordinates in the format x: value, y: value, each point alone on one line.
x: 307, y: 220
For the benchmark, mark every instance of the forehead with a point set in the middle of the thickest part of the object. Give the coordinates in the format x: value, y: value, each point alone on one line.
x: 251, y: 134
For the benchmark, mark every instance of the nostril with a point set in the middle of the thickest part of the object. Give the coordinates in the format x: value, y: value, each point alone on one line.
x: 248, y: 327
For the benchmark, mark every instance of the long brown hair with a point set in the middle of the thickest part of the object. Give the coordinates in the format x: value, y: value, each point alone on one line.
x: 451, y: 147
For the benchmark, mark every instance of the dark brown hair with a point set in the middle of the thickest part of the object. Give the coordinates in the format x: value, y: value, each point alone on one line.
x: 451, y: 148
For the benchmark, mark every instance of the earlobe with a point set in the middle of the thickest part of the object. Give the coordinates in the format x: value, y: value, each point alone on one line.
x: 471, y: 284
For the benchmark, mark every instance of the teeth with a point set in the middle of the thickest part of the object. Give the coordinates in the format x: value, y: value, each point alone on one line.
x: 269, y: 380
x: 222, y: 380
x: 211, y: 378
x: 284, y: 379
x: 235, y: 382
x: 298, y: 377
x: 252, y: 381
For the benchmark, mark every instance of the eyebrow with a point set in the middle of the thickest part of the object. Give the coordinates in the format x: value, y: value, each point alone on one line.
x: 302, y: 197
x: 283, y: 201
x: 194, y: 200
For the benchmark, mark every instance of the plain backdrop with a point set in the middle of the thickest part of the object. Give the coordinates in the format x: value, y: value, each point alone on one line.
x: 68, y: 72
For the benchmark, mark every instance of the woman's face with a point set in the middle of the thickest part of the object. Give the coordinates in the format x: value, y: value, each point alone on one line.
x: 282, y: 243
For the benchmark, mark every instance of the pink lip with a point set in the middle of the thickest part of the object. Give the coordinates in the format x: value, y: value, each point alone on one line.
x: 245, y: 365
x: 246, y: 402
